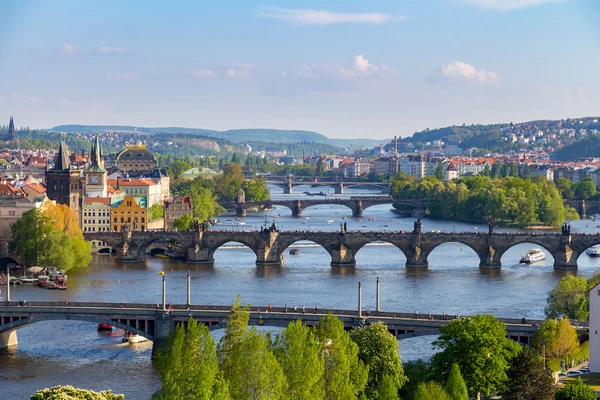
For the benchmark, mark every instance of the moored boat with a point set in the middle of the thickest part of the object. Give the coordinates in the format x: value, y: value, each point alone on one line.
x: 593, y: 251
x: 533, y: 256
x: 106, y: 328
x: 129, y: 337
x: 294, y: 251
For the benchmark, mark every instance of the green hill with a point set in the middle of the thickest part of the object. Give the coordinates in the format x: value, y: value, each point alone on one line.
x: 587, y: 147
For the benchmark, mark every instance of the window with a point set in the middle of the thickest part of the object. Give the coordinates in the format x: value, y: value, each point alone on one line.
x: 122, y: 219
x: 11, y: 213
x: 115, y: 219
x: 143, y: 220
x: 128, y: 219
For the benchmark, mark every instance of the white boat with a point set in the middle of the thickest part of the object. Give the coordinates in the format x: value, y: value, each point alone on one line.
x: 593, y: 251
x: 129, y: 337
x: 533, y: 256
x: 329, y: 221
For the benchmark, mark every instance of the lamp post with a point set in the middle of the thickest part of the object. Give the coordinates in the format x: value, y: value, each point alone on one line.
x: 7, y: 284
x: 377, y: 296
x: 189, y: 293
x: 359, y: 300
x: 164, y: 290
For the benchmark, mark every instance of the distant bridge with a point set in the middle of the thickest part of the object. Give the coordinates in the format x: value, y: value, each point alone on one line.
x: 155, y: 323
x: 357, y: 204
x: 290, y: 182
x: 270, y: 246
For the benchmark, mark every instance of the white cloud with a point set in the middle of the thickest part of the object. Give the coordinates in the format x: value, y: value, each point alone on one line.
x: 67, y: 48
x: 509, y: 5
x: 460, y: 71
x: 324, y: 17
x: 19, y: 98
x: 119, y: 76
x: 64, y: 101
x: 203, y: 73
x: 238, y: 73
x: 107, y: 49
x: 357, y: 67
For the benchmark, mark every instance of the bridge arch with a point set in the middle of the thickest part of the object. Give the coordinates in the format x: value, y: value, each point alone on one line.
x: 464, y: 252
x: 513, y: 256
x: 585, y: 260
x: 163, y: 242
x: 21, y: 323
x: 220, y: 245
x: 308, y: 243
x: 359, y: 253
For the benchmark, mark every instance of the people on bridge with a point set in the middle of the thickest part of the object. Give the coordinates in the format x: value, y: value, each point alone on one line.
x: 416, y: 314
x: 303, y: 310
x: 316, y: 310
x: 286, y: 308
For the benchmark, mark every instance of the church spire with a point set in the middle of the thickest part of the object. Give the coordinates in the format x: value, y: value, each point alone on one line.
x: 62, y: 161
x: 11, y: 129
x: 96, y: 163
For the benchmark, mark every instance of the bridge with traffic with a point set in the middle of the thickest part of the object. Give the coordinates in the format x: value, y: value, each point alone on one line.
x: 154, y: 322
x: 288, y: 183
x: 269, y: 245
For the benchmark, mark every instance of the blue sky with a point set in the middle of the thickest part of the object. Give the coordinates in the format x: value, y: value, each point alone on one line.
x: 342, y: 68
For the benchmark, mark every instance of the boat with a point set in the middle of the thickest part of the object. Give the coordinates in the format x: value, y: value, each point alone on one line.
x: 329, y: 221
x: 160, y: 255
x: 307, y: 218
x: 15, y: 281
x: 533, y: 256
x: 294, y: 252
x: 593, y: 251
x: 28, y: 280
x: 371, y: 219
x: 106, y: 328
x: 129, y: 337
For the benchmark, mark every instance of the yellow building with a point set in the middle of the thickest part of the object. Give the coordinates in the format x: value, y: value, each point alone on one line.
x: 131, y: 212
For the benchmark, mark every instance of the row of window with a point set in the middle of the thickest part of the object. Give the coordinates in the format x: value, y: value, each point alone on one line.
x: 94, y: 229
x: 93, y: 214
x: 128, y: 219
x: 11, y: 213
x: 93, y: 221
x: 119, y: 228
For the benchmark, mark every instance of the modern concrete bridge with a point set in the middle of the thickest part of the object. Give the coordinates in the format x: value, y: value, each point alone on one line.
x: 155, y: 323
x: 270, y: 245
x: 357, y: 204
x: 289, y: 182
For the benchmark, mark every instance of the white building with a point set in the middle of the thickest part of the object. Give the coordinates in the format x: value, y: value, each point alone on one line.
x: 595, y: 329
x: 451, y: 172
x: 413, y: 165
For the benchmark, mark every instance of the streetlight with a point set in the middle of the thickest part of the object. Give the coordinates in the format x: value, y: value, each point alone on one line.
x: 164, y: 290
x: 7, y: 284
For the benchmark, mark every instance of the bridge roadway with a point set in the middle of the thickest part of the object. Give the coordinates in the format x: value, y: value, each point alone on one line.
x: 269, y: 246
x: 357, y: 204
x: 155, y: 323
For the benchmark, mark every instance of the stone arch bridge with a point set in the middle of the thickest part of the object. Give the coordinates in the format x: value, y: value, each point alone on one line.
x: 356, y: 204
x: 155, y: 323
x: 288, y: 184
x: 270, y: 246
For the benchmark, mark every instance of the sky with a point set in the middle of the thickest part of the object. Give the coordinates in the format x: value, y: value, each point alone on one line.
x: 342, y: 68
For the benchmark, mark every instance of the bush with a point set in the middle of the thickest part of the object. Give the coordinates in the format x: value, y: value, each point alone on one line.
x: 71, y: 393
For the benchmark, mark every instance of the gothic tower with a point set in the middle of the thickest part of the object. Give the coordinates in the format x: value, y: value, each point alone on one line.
x: 11, y: 130
x: 63, y: 183
x: 95, y: 175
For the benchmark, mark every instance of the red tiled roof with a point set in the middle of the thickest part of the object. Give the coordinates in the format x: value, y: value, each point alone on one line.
x: 132, y: 182
x: 91, y: 200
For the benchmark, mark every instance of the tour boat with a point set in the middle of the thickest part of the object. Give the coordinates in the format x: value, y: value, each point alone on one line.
x: 129, y: 337
x: 161, y: 255
x: 294, y: 251
x: 533, y: 256
x: 593, y: 251
x: 106, y: 328
x: 329, y: 221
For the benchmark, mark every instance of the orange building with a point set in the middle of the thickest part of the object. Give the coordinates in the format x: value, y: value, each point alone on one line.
x: 131, y: 212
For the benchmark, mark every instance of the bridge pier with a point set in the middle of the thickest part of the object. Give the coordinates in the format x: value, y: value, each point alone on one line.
x: 287, y: 189
x: 8, y: 339
x: 416, y: 258
x: 339, y: 189
x: 357, y: 209
x: 240, y: 211
x: 342, y: 257
x: 565, y: 257
x: 163, y: 325
x: 490, y: 258
x: 297, y: 209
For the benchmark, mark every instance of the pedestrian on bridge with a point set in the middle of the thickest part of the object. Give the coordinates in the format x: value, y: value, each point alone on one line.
x: 286, y: 308
x: 316, y: 310
x: 416, y: 314
x: 303, y: 310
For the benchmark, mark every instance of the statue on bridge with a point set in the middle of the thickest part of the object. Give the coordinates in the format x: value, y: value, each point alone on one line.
x: 417, y: 226
x: 273, y: 228
x: 491, y: 227
x: 566, y: 229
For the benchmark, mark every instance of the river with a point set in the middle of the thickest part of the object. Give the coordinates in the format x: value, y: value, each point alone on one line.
x: 71, y: 352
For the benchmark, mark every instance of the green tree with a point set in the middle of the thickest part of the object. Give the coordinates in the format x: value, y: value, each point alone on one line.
x: 584, y: 189
x: 256, y: 190
x: 568, y: 299
x: 430, y: 391
x: 235, y: 158
x: 155, y: 212
x: 299, y: 354
x: 416, y: 372
x: 29, y: 235
x: 576, y: 391
x: 494, y: 173
x: 378, y: 350
x: 527, y: 172
x: 480, y: 348
x: 565, y: 187
x: 439, y: 170
x: 320, y: 168
x: 228, y: 185
x: 182, y: 223
x: 204, y: 205
x: 177, y: 167
x: 514, y: 170
x: 345, y: 374
x: 455, y: 385
x: 71, y: 393
x: 528, y: 378
x: 187, y: 364
x: 387, y: 389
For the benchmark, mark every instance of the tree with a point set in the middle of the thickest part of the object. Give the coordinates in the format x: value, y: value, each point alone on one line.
x: 565, y: 187
x: 387, y: 389
x: 514, y: 171
x: 528, y: 378
x: 71, y: 393
x: 480, y: 348
x: 299, y: 354
x: 177, y: 167
x: 235, y: 159
x: 527, y: 172
x: 561, y: 338
x: 495, y: 171
x: 345, y: 374
x: 50, y: 236
x: 584, y: 189
x: 320, y: 168
x: 416, y: 372
x: 155, y: 212
x: 182, y: 223
x: 439, y: 170
x: 430, y: 391
x: 568, y: 299
x: 187, y: 364
x: 256, y: 189
x: 247, y: 363
x: 576, y: 391
x: 455, y: 385
x: 378, y: 350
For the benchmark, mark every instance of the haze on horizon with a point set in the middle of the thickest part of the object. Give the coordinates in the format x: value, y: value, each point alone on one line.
x: 343, y: 69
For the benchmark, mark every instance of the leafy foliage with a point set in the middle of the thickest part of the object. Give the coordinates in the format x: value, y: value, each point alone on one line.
x: 50, y: 236
x: 576, y: 391
x: 182, y: 223
x: 481, y: 198
x: 378, y: 350
x: 416, y: 372
x: 569, y: 298
x: 528, y: 378
x: 455, y: 385
x: 155, y: 212
x: 480, y: 348
x: 71, y: 393
x: 430, y: 391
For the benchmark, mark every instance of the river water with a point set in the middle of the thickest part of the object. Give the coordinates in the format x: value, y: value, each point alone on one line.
x: 71, y: 352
